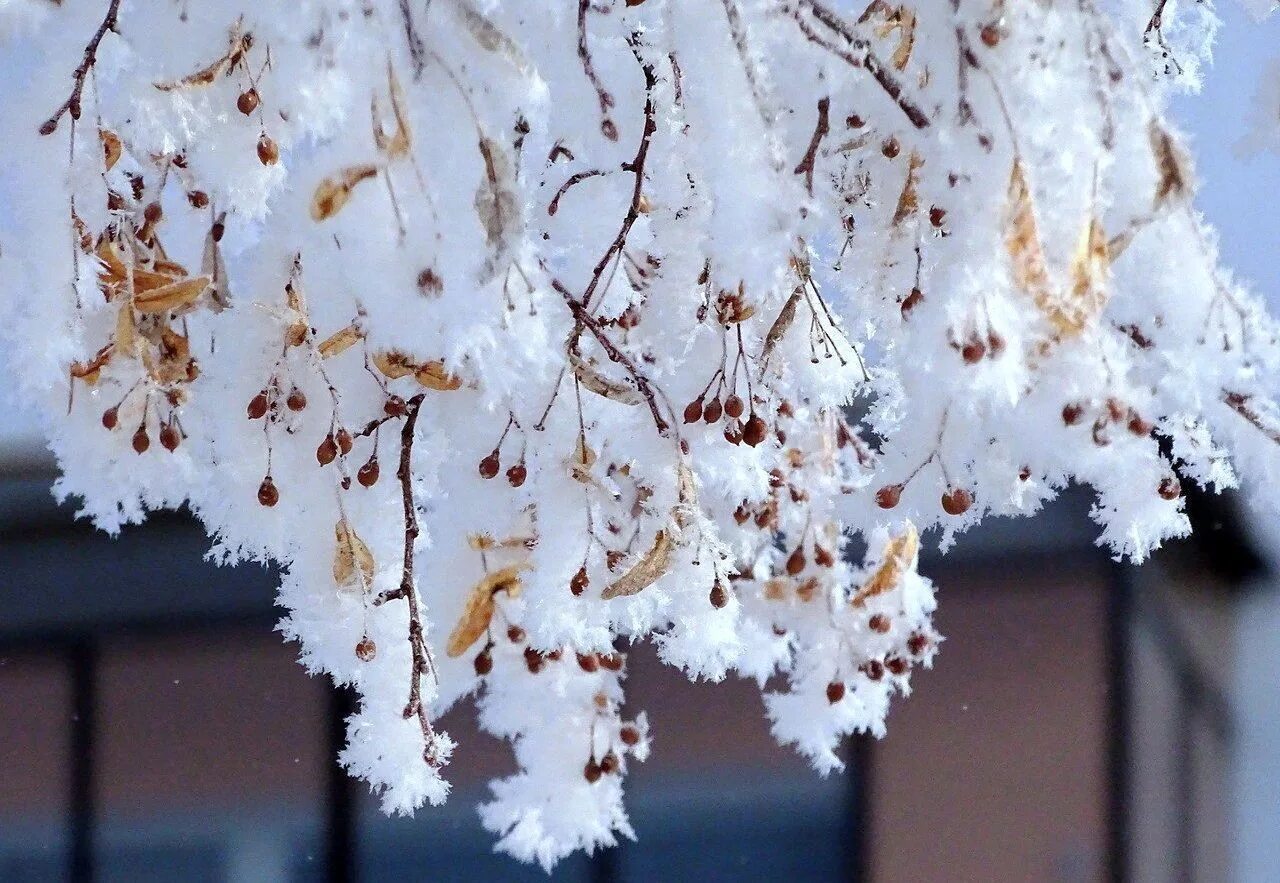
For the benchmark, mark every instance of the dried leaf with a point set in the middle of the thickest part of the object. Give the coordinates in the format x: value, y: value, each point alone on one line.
x: 496, y: 205
x: 1174, y: 168
x: 352, y: 561
x: 433, y: 375
x: 340, y: 341
x: 90, y: 371
x: 111, y: 148
x: 778, y: 329
x: 115, y: 271
x: 581, y: 462
x: 1022, y: 240
x: 126, y: 337
x: 903, y: 21
x: 394, y: 364
x: 479, y: 608
x: 909, y: 199
x: 899, y: 555
x: 176, y: 364
x: 589, y: 377
x: 397, y: 143
x: 644, y: 572
x: 332, y: 193
x: 174, y: 296
x: 239, y: 45
x: 212, y: 265
x: 489, y: 37
x: 1088, y: 281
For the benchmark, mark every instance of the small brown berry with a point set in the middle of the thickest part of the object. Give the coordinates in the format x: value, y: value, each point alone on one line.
x: 517, y: 474
x: 110, y: 418
x: 152, y: 213
x: 693, y: 411
x: 822, y: 556
x: 796, y: 561
x: 1138, y: 426
x: 889, y: 496
x: 170, y: 438
x: 733, y: 432
x: 1072, y: 413
x: 734, y: 406
x: 483, y: 662
x: 345, y: 441
x: 394, y: 406
x: 629, y: 735
x: 589, y: 662
x: 755, y: 431
x: 611, y: 661
x: 713, y: 411
x: 198, y: 198
x: 533, y: 660
x: 879, y: 623
x: 719, y: 595
x: 609, y: 764
x: 853, y: 121
x: 742, y: 514
x: 1170, y: 488
x: 917, y: 644
x: 872, y: 668
x: 937, y: 216
x: 327, y: 451
x: 956, y: 501
x: 368, y: 474
x: 890, y: 148
x: 141, y: 441
x: 217, y: 229
x: 835, y: 691
x: 268, y: 152
x: 990, y: 35
x: 973, y: 351
x: 515, y: 634
x: 247, y: 103
x: 489, y: 465
x: 591, y: 772
x: 268, y: 495
x: 258, y: 406
x: 1024, y: 473
x: 429, y: 282
x: 579, y: 583
x: 995, y: 344
x: 911, y: 301
x: 297, y: 399
x: 366, y: 649
x: 897, y: 665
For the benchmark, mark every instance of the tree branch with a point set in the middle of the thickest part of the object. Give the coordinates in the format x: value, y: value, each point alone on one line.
x: 72, y: 104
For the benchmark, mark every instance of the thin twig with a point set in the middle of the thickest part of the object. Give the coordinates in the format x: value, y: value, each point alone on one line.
x: 820, y: 130
x: 72, y: 104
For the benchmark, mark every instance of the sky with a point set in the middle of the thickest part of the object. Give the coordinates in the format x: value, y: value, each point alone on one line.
x: 1239, y: 193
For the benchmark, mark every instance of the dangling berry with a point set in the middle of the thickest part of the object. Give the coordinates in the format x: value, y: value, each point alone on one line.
x: 890, y: 148
x: 141, y: 441
x: 515, y: 634
x: 835, y: 691
x: 591, y: 772
x: 152, y: 213
x: 369, y: 472
x: 579, y: 583
x: 268, y: 495
x: 517, y: 474
x: 629, y: 735
x: 589, y: 662
x: 1170, y: 488
x: 611, y: 661
x: 170, y: 438
x: 297, y: 400
x: 609, y: 763
x: 755, y: 430
x: 345, y: 441
x: 1072, y: 413
x: 734, y: 406
x: 990, y: 35
x: 533, y: 660
x: 873, y: 669
x: 1138, y: 426
x: 247, y: 103
x: 956, y: 501
x: 110, y: 418
x: 742, y: 514
x: 796, y: 561
x: 973, y: 351
x: 713, y: 411
x: 268, y: 152
x: 484, y: 662
x: 889, y: 496
x: 937, y: 216
x: 917, y: 644
x: 911, y: 301
x: 896, y: 665
x: 879, y: 623
x: 733, y: 432
x: 258, y: 406
x: 489, y: 465
x: 394, y: 406
x: 327, y: 451
x: 693, y: 411
x: 822, y: 556
x: 366, y: 649
x: 719, y: 595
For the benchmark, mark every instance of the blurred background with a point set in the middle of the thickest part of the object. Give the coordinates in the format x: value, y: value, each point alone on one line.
x: 1085, y: 720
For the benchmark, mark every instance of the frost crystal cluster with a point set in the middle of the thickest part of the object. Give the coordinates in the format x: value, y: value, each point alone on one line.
x: 517, y: 332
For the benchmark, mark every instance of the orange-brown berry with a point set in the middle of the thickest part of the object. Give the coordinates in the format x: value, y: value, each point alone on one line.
x: 937, y: 216
x: 956, y: 501
x: 110, y: 418
x: 198, y: 198
x: 796, y: 561
x: 879, y: 623
x: 872, y: 668
x: 889, y: 496
x: 755, y: 430
x: 734, y: 406
x: 719, y: 595
x: 170, y: 438
x: 141, y: 441
x: 483, y: 662
x: 297, y: 399
x: 609, y: 763
x: 693, y: 411
x: 897, y: 665
x: 579, y: 583
x: 1072, y: 413
x: 327, y: 451
x: 268, y: 494
x: 517, y: 474
x: 515, y: 634
x: 890, y: 148
x: 713, y: 411
x: 917, y: 644
x: 268, y: 152
x: 589, y: 662
x: 489, y: 465
x: 822, y: 556
x: 394, y: 406
x: 629, y: 735
x: 533, y: 660
x: 911, y: 301
x: 257, y: 406
x: 835, y: 691
x: 152, y: 213
x: 366, y: 649
x: 345, y: 441
x: 247, y: 103
x: 611, y: 661
x: 591, y: 772
x: 990, y: 35
x: 973, y: 351
x: 1170, y: 488
x: 368, y: 474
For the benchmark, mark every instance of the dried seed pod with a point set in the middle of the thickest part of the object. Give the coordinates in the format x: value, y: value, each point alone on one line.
x: 248, y: 101
x: 937, y: 216
x: 889, y: 496
x: 111, y: 417
x: 713, y: 411
x: 755, y: 430
x: 515, y: 634
x: 579, y: 583
x: 170, y: 438
x: 835, y: 691
x: 629, y: 735
x: 956, y: 501
x: 589, y: 662
x: 1170, y: 488
x: 268, y: 152
x: 517, y: 474
x: 533, y: 660
x: 369, y: 472
x: 609, y: 764
x: 345, y: 441
x: 141, y: 441
x: 366, y: 649
x: 327, y: 452
x: 489, y: 465
x: 719, y: 595
x: 257, y: 406
x: 268, y: 495
x: 591, y: 772
x: 693, y: 411
x: 483, y: 662
x: 297, y: 400
x: 879, y: 623
x: 796, y: 561
x: 734, y: 406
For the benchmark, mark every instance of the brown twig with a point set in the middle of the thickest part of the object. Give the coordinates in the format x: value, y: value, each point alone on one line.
x: 584, y: 55
x: 417, y: 49
x: 806, y: 165
x: 1239, y: 402
x: 575, y: 178
x: 72, y: 104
